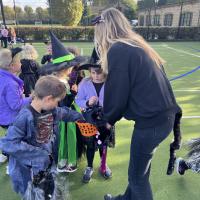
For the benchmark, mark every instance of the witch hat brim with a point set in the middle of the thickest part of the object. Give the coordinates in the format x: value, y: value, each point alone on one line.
x: 88, y: 66
x: 93, y: 62
x: 51, y: 67
x: 15, y: 51
x: 62, y: 58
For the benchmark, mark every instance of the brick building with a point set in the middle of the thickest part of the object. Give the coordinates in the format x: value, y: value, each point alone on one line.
x: 183, y: 14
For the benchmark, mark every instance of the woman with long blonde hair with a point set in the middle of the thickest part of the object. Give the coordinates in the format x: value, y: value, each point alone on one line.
x: 137, y: 89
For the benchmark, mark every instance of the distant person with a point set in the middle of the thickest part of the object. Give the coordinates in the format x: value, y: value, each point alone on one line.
x: 29, y: 68
x: 4, y: 33
x: 11, y: 36
x: 47, y: 58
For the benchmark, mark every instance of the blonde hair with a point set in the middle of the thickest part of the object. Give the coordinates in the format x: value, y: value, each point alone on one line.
x: 29, y: 52
x: 116, y: 28
x: 6, y: 59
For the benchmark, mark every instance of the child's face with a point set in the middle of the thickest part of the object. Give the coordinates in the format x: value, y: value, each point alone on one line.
x: 49, y: 49
x: 96, y: 76
x: 49, y: 103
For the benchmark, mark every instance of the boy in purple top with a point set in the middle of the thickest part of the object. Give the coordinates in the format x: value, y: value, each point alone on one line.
x: 11, y: 88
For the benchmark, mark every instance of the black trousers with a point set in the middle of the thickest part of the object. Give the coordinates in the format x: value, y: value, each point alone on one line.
x: 143, y: 146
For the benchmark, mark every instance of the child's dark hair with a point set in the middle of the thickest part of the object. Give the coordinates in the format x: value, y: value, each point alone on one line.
x: 49, y: 86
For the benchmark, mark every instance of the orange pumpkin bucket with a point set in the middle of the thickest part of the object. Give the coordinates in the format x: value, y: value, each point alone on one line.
x: 87, y: 129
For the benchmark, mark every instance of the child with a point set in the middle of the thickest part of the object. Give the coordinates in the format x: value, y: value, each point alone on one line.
x: 11, y: 88
x: 47, y: 58
x: 71, y: 144
x: 31, y: 142
x: 193, y: 158
x: 90, y: 93
x: 67, y: 156
x: 29, y: 69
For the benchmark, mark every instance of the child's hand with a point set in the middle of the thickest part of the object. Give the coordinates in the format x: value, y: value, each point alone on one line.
x: 93, y: 100
x: 74, y: 88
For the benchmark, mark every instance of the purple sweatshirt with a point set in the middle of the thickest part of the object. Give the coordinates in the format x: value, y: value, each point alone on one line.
x: 11, y: 97
x: 86, y: 90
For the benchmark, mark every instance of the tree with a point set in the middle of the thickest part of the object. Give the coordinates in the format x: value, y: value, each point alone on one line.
x: 29, y: 14
x: 9, y: 13
x: 19, y: 13
x: 68, y: 12
x: 41, y: 14
x: 129, y: 9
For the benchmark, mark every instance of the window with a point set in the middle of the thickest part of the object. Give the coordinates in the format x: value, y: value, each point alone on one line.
x: 168, y: 20
x: 156, y: 20
x: 186, y: 19
x: 148, y: 20
x: 141, y: 20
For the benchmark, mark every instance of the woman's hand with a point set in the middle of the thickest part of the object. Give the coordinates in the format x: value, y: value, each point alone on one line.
x: 93, y: 100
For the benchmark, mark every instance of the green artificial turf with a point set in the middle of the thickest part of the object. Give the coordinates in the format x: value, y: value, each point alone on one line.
x: 181, y: 57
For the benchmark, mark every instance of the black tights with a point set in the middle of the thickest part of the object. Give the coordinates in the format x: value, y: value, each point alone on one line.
x: 90, y: 152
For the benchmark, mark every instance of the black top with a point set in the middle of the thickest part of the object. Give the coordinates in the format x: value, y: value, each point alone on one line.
x: 98, y: 87
x: 46, y: 58
x: 136, y: 88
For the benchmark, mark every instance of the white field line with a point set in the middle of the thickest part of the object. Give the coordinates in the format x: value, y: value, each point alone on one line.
x: 184, y: 117
x: 186, y: 90
x: 181, y: 51
x: 191, y: 117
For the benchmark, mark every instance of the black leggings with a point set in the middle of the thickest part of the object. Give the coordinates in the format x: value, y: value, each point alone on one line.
x: 143, y: 145
x: 90, y: 152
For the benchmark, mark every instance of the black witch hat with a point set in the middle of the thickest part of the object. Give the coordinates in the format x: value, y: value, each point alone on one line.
x: 93, y: 62
x: 15, y: 51
x: 62, y: 58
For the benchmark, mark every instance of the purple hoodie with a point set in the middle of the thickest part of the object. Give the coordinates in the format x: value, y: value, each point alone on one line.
x: 11, y: 97
x: 86, y: 90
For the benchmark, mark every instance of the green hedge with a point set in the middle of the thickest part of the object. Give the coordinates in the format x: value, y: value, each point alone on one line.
x: 87, y: 33
x: 63, y: 33
x: 169, y: 33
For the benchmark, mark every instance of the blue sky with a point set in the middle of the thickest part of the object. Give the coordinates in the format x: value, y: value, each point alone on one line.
x: 33, y: 3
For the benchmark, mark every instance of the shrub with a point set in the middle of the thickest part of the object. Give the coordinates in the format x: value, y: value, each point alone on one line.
x: 82, y: 33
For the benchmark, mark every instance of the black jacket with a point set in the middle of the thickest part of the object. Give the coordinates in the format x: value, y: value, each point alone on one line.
x: 29, y: 75
x: 136, y: 88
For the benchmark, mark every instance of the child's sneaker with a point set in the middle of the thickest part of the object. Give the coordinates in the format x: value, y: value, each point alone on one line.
x: 107, y: 173
x: 181, y: 166
x: 87, y: 174
x: 61, y: 169
x: 3, y: 158
x: 71, y: 168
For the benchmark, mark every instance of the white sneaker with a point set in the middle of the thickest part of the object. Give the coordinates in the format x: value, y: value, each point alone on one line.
x: 3, y: 158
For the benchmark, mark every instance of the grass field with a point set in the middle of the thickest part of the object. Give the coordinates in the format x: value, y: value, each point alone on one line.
x: 180, y: 58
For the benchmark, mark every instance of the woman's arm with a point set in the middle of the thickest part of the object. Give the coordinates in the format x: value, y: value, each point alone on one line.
x: 117, y: 85
x: 15, y: 98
